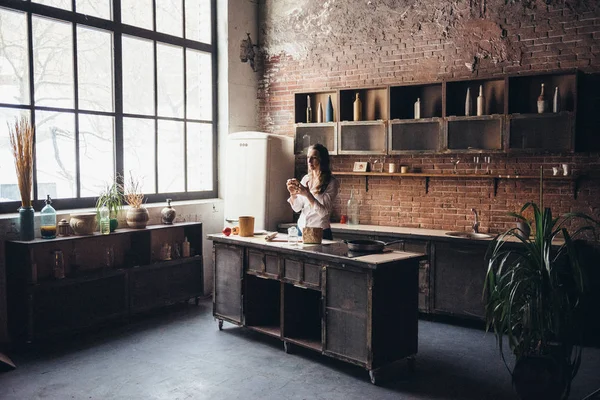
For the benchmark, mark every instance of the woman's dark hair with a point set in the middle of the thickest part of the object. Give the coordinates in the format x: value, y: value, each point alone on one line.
x: 325, y: 166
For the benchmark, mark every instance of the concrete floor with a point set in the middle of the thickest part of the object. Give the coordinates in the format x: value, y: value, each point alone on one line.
x: 180, y: 354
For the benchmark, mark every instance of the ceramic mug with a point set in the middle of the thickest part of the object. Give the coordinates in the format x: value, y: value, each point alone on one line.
x: 565, y: 168
x: 554, y: 171
x: 404, y: 169
x: 392, y: 168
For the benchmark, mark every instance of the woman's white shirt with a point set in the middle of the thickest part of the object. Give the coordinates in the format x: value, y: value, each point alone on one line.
x: 316, y: 215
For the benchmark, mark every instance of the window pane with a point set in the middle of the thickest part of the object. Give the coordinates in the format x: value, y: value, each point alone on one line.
x: 199, y: 85
x: 9, y: 189
x: 170, y: 80
x: 94, y: 66
x: 55, y: 154
x: 96, y: 153
x: 95, y: 8
x: 199, y: 156
x: 170, y: 157
x: 138, y: 143
x: 197, y: 20
x: 64, y: 4
x: 137, y: 13
x: 138, y: 76
x: 14, y: 63
x: 169, y: 17
x: 53, y: 63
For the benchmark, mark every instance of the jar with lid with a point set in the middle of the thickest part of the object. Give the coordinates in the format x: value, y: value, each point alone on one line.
x: 64, y: 229
x: 48, y: 220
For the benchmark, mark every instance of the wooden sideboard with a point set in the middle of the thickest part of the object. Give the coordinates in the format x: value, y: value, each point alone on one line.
x: 98, y: 287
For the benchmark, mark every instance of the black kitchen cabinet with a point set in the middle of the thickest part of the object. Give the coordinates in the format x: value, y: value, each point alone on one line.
x: 458, y: 277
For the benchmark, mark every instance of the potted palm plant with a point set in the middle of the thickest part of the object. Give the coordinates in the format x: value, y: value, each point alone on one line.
x: 137, y: 215
x: 533, y: 290
x: 112, y: 198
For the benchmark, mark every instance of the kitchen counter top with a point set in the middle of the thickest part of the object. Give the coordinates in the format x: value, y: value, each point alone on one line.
x: 409, y: 233
x: 417, y: 233
x: 333, y: 251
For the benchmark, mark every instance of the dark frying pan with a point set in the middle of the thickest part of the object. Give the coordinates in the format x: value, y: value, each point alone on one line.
x: 367, y: 245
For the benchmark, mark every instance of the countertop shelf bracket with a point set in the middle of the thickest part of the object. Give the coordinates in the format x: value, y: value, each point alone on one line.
x: 366, y: 183
x: 426, y: 184
x: 496, y: 186
x: 576, y: 187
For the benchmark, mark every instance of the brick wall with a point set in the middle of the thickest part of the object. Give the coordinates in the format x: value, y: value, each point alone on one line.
x: 314, y: 45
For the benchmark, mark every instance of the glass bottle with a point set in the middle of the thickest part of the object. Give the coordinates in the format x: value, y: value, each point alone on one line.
x: 357, y: 109
x: 308, y: 110
x: 48, y: 220
x: 480, y: 101
x: 329, y: 110
x: 556, y: 101
x: 468, y: 103
x: 352, y: 210
x: 104, y: 220
x: 541, y: 101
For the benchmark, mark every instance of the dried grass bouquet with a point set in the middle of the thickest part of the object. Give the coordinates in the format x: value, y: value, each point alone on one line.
x: 21, y: 142
x: 134, y: 196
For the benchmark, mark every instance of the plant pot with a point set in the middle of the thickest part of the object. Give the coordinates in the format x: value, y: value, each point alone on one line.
x: 83, y: 224
x: 137, y: 218
x: 524, y: 230
x: 114, y: 223
x: 538, y: 377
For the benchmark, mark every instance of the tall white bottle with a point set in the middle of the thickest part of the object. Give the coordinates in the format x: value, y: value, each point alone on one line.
x: 468, y: 103
x: 418, y: 108
x: 480, y: 101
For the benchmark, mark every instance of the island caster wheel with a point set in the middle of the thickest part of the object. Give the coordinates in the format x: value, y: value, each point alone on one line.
x: 288, y: 348
x: 411, y: 363
x: 220, y: 324
x: 373, y: 374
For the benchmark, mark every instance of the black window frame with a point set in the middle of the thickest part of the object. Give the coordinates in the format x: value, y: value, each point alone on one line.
x: 117, y: 29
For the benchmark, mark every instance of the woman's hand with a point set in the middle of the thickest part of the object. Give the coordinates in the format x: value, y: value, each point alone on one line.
x: 293, y: 186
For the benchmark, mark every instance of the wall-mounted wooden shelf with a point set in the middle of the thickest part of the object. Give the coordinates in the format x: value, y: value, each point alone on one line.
x: 575, y: 179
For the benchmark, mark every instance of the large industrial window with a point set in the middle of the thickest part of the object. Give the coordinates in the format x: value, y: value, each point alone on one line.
x: 113, y: 87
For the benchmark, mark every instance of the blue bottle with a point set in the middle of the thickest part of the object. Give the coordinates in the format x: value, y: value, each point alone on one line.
x: 329, y: 111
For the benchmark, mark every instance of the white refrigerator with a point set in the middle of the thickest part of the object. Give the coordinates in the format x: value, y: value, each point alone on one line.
x: 257, y: 167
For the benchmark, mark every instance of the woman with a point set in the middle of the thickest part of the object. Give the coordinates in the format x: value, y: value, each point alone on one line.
x: 314, y: 196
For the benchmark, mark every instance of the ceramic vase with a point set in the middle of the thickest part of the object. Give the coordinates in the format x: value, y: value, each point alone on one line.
x: 137, y: 218
x: 26, y: 223
x: 168, y: 214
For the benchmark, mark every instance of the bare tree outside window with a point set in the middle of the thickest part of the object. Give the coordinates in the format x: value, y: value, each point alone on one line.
x: 158, y: 124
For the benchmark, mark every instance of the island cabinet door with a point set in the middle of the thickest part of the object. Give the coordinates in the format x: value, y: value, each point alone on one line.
x: 227, y: 293
x: 346, y: 320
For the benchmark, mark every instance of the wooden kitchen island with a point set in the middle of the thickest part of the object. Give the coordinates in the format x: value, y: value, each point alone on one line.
x: 360, y: 309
